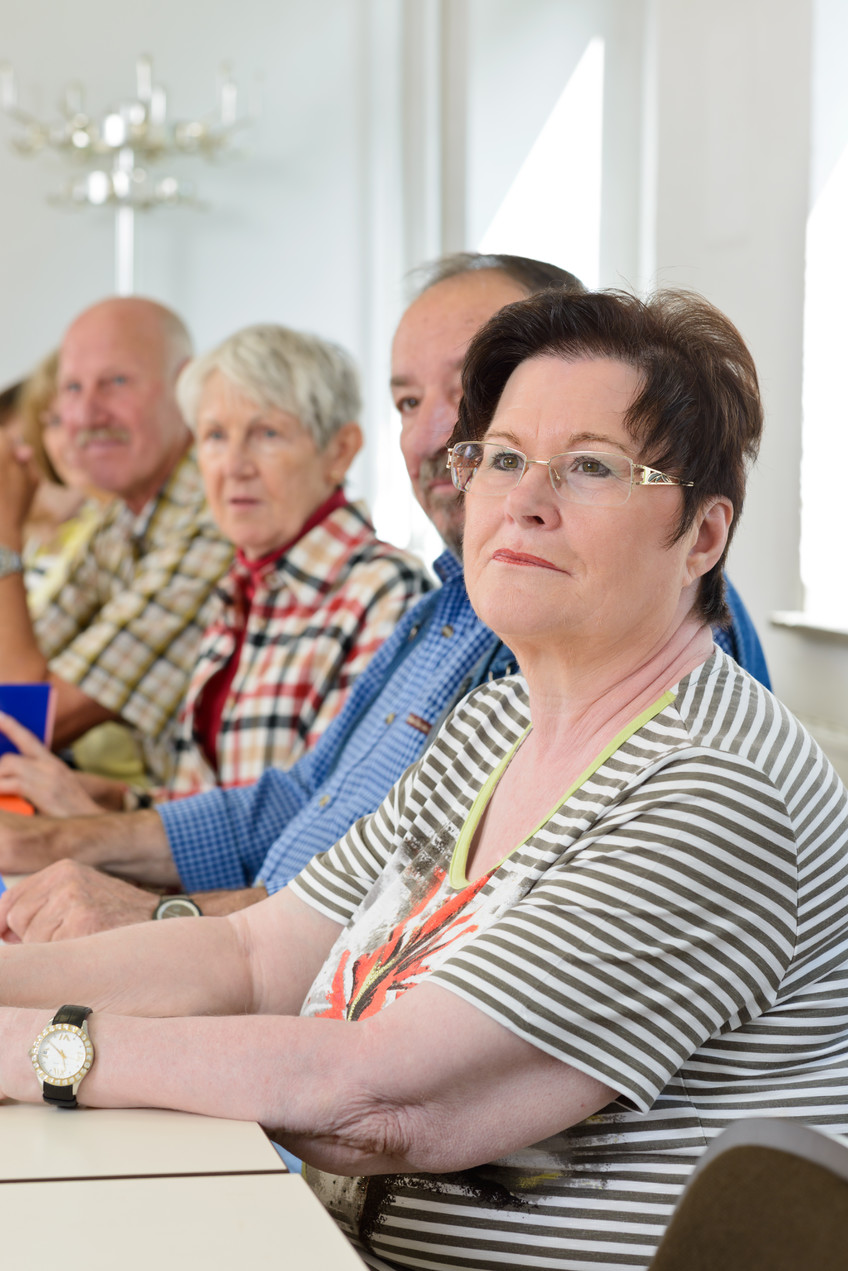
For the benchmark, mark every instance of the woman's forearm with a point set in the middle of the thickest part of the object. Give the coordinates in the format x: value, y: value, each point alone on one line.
x: 180, y: 967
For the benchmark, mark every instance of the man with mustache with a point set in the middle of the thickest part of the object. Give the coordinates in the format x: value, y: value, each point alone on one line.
x: 249, y: 842
x: 120, y: 639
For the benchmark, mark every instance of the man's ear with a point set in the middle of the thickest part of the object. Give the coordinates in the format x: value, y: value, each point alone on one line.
x: 709, y: 531
x: 341, y: 450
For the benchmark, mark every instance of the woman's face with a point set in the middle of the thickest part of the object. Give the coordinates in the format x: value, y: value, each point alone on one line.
x: 543, y: 571
x: 264, y: 475
x: 61, y: 451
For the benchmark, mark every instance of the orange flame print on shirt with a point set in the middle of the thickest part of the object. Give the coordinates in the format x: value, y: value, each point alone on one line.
x: 401, y: 959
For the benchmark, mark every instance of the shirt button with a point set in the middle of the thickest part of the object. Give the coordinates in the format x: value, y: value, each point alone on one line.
x: 390, y: 718
x: 447, y: 630
x: 413, y: 632
x: 323, y: 801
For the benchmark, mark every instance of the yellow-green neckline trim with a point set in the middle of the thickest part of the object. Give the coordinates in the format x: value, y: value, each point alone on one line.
x: 457, y: 875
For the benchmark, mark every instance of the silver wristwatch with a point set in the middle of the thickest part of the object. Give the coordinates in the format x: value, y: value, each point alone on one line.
x: 10, y: 562
x: 177, y: 907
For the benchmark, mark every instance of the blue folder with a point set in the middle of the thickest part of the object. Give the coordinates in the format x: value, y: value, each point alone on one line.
x: 30, y: 704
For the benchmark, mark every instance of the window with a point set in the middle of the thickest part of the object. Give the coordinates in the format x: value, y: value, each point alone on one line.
x: 825, y: 426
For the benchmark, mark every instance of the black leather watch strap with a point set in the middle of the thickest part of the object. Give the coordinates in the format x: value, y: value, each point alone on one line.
x: 76, y: 1015
x: 61, y: 1096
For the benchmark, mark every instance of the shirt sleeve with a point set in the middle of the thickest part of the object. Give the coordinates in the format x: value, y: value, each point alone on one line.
x: 338, y: 880
x: 135, y: 652
x: 221, y: 838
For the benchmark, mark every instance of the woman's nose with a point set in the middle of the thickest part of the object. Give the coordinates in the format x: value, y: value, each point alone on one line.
x: 534, y: 496
x: 239, y: 458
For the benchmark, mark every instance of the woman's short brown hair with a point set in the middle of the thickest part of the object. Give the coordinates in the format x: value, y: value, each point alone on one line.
x: 698, y: 415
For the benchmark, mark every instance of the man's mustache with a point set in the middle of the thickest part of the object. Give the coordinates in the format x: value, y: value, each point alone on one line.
x: 86, y: 436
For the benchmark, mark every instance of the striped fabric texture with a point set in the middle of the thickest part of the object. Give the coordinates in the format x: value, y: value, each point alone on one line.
x: 318, y: 616
x: 126, y: 625
x: 678, y: 928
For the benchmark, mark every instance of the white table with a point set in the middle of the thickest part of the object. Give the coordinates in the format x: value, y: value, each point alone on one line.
x: 230, y: 1221
x: 42, y: 1143
x: 146, y: 1187
x: 141, y: 1188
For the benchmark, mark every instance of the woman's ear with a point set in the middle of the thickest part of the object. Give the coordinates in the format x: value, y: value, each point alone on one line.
x: 710, y: 531
x: 341, y: 450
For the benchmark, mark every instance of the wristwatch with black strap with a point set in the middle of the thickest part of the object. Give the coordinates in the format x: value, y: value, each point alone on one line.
x: 62, y: 1055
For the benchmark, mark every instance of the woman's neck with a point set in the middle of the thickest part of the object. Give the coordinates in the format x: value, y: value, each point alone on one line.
x: 584, y: 707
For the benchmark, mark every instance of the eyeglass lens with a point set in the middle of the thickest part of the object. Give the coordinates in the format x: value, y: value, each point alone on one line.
x: 580, y: 475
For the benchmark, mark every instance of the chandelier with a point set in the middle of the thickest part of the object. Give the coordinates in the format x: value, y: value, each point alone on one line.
x: 119, y: 154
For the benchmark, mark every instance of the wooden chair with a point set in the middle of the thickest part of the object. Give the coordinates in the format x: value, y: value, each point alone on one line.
x: 767, y: 1195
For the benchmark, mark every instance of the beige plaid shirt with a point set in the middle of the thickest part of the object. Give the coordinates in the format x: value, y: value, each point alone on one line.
x: 126, y: 626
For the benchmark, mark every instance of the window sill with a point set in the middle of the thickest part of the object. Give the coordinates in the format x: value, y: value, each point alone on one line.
x: 806, y: 624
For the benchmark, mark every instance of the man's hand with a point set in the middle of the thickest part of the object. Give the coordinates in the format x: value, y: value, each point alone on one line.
x: 68, y: 899
x: 40, y: 776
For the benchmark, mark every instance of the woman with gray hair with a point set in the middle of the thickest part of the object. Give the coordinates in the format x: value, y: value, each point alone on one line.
x: 312, y: 592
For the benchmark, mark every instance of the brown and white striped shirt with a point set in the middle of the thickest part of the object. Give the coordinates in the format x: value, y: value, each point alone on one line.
x: 677, y: 928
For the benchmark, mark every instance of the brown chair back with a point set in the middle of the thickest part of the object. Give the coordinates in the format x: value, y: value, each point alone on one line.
x: 768, y: 1195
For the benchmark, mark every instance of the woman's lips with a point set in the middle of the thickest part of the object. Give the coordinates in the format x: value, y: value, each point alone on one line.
x: 524, y: 558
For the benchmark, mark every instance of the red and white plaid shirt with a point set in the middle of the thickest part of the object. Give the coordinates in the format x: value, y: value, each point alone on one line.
x: 318, y: 614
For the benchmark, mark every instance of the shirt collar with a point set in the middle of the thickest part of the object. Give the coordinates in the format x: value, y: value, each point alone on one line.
x: 447, y: 566
x: 258, y: 568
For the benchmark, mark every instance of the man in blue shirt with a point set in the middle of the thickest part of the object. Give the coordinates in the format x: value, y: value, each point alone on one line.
x: 248, y: 842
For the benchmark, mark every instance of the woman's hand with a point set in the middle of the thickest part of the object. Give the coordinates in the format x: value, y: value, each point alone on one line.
x: 19, y: 479
x: 40, y: 776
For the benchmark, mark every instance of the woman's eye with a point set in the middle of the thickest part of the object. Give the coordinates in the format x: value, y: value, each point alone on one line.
x: 590, y: 466
x: 506, y: 461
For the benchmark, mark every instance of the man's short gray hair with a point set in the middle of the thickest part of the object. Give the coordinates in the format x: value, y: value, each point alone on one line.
x: 281, y: 369
x: 529, y: 274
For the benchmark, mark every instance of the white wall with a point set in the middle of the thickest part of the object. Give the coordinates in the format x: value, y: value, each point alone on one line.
x: 732, y: 91
x: 731, y: 163
x: 284, y: 238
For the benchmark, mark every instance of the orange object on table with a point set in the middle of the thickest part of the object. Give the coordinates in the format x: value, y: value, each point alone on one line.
x: 13, y: 803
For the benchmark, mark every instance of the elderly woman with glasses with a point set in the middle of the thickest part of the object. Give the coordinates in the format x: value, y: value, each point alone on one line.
x: 313, y: 591
x: 604, y: 915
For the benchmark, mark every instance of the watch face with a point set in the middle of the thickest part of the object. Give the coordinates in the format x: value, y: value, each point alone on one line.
x: 178, y: 907
x: 61, y: 1054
